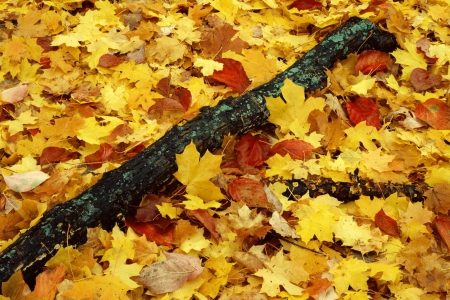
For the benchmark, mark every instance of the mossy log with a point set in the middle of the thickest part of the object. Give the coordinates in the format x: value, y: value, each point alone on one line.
x: 119, y: 190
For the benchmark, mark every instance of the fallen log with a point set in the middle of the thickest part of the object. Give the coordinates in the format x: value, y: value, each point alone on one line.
x: 119, y: 190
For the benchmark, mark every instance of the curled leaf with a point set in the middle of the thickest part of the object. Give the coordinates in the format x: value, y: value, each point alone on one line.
x: 24, y: 182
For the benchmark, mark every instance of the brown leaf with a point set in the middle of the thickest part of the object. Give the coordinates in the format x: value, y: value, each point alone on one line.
x: 109, y: 61
x: 252, y: 150
x: 423, y: 80
x: 295, y: 148
x: 170, y: 275
x: 96, y: 159
x: 56, y: 154
x: 166, y: 104
x: 438, y: 199
x: 387, y: 224
x: 249, y: 191
x: 219, y: 40
x: 208, y: 221
x: 183, y: 96
x: 148, y: 212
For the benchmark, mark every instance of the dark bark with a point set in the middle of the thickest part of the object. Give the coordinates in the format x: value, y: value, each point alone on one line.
x: 350, y: 191
x: 115, y: 194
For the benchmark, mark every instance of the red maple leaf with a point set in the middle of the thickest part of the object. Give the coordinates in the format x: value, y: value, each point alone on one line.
x: 232, y: 74
x: 435, y: 112
x: 364, y: 109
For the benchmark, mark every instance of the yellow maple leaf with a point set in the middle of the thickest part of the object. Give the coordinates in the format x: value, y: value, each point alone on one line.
x: 409, y: 59
x: 292, y: 114
x: 122, y: 250
x: 350, y: 272
x: 221, y: 268
x: 318, y: 220
x: 391, y: 273
x: 94, y: 131
x: 208, y: 66
x: 279, y: 272
x: 196, y: 172
x: 347, y: 230
x: 361, y: 133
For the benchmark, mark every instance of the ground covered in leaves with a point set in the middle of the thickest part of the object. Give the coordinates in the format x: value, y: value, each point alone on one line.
x: 85, y: 85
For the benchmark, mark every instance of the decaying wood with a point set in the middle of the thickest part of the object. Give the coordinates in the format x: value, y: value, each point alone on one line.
x: 115, y: 194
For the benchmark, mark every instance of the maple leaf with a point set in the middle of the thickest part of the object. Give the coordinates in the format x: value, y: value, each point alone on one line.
x: 292, y: 114
x: 409, y: 59
x: 196, y: 172
x: 47, y: 281
x: 96, y: 159
x: 169, y: 275
x: 350, y: 272
x: 250, y: 191
x: 438, y: 199
x: 279, y: 272
x: 220, y: 39
x: 232, y: 74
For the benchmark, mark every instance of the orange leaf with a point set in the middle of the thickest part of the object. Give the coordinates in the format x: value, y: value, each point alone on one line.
x: 295, y: 148
x: 232, y: 74
x: 109, y: 60
x: 249, y: 191
x: 252, y: 150
x: 56, y: 154
x: 443, y: 227
x: 363, y: 109
x: 305, y: 4
x: 422, y: 80
x: 96, y: 159
x: 370, y: 61
x: 435, y: 112
x: 387, y: 224
x: 47, y: 281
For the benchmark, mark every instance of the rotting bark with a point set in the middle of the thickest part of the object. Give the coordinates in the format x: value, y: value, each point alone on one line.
x: 114, y: 195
